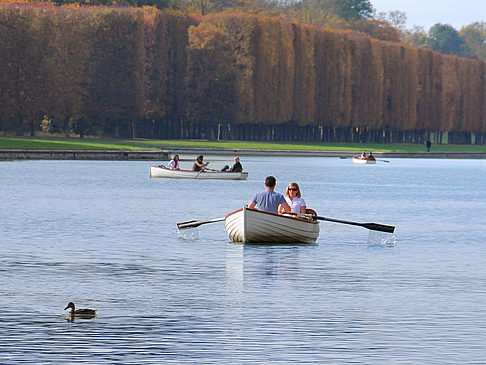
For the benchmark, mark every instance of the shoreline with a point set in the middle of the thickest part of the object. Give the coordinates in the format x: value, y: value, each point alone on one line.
x: 315, y: 153
x: 165, y: 154
x: 97, y: 155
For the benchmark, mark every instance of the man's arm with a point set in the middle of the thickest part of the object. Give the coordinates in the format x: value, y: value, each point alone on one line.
x: 251, y: 205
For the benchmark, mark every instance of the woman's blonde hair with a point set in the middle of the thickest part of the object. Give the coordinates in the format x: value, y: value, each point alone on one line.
x: 294, y: 185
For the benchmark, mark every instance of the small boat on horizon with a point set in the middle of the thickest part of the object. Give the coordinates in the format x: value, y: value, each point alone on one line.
x: 364, y: 160
x: 162, y: 171
x: 247, y: 225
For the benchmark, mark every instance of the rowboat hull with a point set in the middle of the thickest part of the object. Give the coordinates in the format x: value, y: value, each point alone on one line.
x: 361, y: 160
x: 253, y: 226
x: 159, y: 171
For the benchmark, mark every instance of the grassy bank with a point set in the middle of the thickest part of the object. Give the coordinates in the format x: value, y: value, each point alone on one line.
x: 148, y: 144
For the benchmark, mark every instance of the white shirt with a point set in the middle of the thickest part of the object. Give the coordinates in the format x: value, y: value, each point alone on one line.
x: 172, y: 165
x: 295, y: 204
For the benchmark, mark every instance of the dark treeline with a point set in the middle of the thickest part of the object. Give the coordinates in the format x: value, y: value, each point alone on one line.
x: 131, y: 72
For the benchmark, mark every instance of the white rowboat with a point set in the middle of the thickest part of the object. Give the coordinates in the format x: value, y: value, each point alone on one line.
x: 160, y: 171
x: 363, y: 160
x: 254, y: 226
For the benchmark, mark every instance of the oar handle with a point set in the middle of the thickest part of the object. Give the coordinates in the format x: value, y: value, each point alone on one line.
x: 336, y: 220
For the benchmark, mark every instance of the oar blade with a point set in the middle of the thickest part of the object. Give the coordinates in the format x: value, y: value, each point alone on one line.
x: 193, y: 224
x: 379, y: 227
x: 188, y: 224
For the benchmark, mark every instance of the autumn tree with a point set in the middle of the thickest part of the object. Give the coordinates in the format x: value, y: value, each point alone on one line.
x: 395, y: 19
x: 161, y: 4
x: 211, y: 77
x: 416, y: 37
x: 68, y: 65
x: 167, y: 74
x: 475, y: 37
x: 116, y: 65
x: 24, y: 32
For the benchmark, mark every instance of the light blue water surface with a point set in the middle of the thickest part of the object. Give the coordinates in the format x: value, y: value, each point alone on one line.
x: 103, y: 234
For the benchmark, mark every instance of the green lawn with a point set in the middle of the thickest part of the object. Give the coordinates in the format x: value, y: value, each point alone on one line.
x: 147, y: 144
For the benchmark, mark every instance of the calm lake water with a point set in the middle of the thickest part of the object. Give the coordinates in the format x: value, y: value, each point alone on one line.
x: 103, y: 235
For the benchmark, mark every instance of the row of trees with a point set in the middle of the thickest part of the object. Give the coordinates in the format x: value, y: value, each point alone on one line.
x: 140, y: 72
x: 335, y: 14
x: 357, y: 15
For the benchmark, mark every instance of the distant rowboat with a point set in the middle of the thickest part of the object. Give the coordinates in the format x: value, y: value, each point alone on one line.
x: 254, y: 226
x: 364, y: 160
x: 161, y: 171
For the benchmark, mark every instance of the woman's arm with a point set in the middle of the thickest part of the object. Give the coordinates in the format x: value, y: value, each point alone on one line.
x: 202, y: 164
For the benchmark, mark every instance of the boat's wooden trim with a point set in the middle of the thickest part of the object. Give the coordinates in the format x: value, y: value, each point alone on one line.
x: 296, y: 216
x: 236, y: 211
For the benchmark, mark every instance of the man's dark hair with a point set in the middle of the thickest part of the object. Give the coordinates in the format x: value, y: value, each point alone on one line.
x: 270, y: 181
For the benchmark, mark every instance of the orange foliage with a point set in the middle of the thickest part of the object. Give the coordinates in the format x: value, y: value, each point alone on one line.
x: 144, y: 63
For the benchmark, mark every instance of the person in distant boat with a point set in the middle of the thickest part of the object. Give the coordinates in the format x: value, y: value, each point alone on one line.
x: 363, y: 154
x: 237, y: 167
x: 199, y: 164
x: 370, y: 156
x: 293, y: 197
x: 269, y: 200
x: 174, y: 163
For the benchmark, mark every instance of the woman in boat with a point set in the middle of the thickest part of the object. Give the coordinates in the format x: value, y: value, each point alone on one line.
x: 174, y: 163
x: 199, y: 164
x: 293, y: 197
x: 363, y: 154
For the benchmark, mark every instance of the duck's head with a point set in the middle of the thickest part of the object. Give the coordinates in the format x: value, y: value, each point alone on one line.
x: 70, y: 305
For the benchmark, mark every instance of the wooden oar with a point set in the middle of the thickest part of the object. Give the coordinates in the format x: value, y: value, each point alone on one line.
x: 202, y: 169
x: 193, y: 224
x: 372, y: 226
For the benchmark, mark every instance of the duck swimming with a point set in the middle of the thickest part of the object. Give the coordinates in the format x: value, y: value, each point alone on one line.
x: 80, y: 313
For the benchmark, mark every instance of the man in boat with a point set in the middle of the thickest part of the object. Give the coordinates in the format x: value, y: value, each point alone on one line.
x: 269, y: 200
x: 199, y: 164
x: 237, y: 167
x: 363, y: 154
